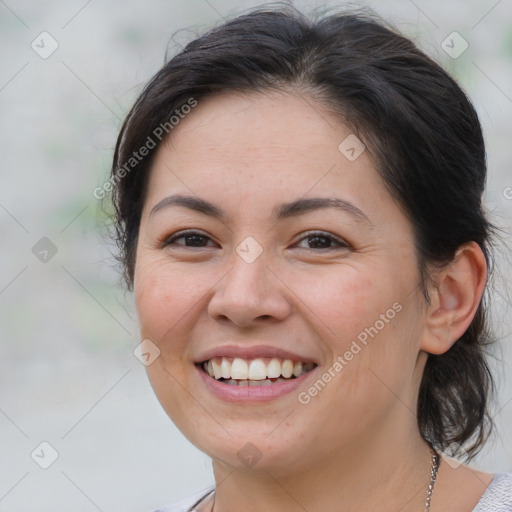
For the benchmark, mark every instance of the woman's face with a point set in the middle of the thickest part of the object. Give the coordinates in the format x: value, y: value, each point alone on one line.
x: 298, y: 253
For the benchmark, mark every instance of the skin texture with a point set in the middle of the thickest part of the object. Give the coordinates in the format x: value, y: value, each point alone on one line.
x: 356, y: 444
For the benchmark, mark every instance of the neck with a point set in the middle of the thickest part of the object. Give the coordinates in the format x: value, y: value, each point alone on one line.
x: 387, y: 471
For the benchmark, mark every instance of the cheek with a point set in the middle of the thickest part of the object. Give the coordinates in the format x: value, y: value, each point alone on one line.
x: 369, y: 326
x: 345, y: 301
x: 166, y: 298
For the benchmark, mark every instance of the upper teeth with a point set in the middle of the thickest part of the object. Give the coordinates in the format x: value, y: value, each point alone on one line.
x: 254, y: 369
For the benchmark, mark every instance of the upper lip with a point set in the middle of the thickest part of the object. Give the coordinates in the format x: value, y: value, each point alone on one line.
x: 252, y: 352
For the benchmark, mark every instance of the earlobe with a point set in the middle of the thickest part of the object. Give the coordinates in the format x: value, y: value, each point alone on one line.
x: 455, y: 299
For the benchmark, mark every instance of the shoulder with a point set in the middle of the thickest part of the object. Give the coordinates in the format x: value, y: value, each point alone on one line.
x: 186, y: 504
x: 498, y: 496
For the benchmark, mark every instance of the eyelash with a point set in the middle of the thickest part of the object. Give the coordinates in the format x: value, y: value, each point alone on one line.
x: 310, y: 234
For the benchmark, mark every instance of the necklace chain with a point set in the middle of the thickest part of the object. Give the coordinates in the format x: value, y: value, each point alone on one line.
x: 433, y: 475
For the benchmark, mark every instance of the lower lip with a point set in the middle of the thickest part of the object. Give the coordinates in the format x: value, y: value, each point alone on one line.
x: 232, y: 393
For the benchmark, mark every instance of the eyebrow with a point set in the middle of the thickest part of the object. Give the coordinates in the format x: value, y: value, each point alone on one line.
x: 283, y: 211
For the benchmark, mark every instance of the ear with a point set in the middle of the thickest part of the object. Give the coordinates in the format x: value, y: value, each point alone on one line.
x: 454, y: 299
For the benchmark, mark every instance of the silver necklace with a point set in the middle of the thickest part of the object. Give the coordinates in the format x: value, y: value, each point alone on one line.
x: 434, y: 468
x: 433, y: 475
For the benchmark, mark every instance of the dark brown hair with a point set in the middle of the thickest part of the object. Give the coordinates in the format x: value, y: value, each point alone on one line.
x: 421, y: 130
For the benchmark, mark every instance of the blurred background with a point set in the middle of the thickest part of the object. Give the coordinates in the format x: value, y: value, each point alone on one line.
x: 80, y: 427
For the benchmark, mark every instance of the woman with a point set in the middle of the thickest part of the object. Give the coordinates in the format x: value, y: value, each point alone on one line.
x: 299, y: 213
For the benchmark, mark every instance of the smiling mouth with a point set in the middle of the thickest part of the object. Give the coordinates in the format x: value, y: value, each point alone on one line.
x: 254, y: 372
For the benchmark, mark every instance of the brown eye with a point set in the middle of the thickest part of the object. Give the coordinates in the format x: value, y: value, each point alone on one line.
x: 190, y: 239
x: 320, y: 240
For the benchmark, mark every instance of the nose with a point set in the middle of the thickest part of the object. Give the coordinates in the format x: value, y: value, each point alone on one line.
x: 250, y: 294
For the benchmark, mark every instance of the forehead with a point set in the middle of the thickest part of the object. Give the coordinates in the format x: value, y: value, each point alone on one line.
x: 228, y: 134
x: 268, y: 111
x: 260, y: 149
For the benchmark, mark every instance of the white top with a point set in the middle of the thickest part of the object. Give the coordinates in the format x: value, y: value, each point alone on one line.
x: 497, y: 497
